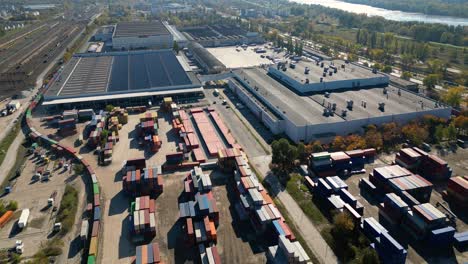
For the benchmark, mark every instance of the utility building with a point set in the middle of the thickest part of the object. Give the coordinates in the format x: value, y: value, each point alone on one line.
x: 141, y: 35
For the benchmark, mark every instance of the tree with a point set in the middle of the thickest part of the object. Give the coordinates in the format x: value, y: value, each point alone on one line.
x: 431, y: 81
x: 387, y: 69
x: 451, y: 133
x: 175, y: 47
x: 78, y: 168
x: 369, y: 256
x: 301, y: 152
x: 373, y: 139
x: 12, y: 206
x: 454, y: 96
x: 355, y: 142
x: 67, y: 56
x: 316, y: 146
x: 439, y: 133
x: 461, y: 123
x: 109, y: 108
x: 391, y: 133
x: 338, y: 143
x: 415, y: 133
x: 283, y: 153
x: 406, y: 75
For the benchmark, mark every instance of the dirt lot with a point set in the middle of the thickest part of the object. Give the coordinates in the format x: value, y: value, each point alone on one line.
x: 41, y: 217
x: 416, y: 254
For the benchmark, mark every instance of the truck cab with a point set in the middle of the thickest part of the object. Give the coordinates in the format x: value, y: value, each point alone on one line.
x: 19, y: 247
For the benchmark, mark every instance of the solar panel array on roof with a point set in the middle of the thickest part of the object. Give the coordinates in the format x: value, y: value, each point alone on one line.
x: 147, y: 70
x: 89, y: 76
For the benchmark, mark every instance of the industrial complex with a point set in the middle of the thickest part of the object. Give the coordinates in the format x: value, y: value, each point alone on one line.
x: 187, y: 154
x: 128, y: 76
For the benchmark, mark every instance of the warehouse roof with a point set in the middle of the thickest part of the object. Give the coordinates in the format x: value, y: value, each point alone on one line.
x: 349, y: 72
x: 140, y: 29
x: 121, y: 72
x: 302, y: 110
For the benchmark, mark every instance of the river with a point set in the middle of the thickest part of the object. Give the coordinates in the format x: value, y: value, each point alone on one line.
x: 388, y: 14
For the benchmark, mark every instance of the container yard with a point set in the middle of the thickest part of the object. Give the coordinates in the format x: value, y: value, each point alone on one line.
x: 406, y: 214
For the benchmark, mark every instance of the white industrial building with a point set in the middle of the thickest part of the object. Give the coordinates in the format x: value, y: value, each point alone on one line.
x: 141, y: 35
x: 327, y: 113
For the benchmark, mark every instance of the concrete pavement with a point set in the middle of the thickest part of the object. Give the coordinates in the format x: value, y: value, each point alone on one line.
x: 10, y: 157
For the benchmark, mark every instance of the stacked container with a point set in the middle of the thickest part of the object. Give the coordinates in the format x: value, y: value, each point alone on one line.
x: 393, y: 208
x: 408, y: 158
x: 148, y: 181
x: 358, y: 159
x: 321, y: 164
x: 208, y: 133
x: 147, y: 254
x: 389, y: 250
x: 434, y: 168
x: 414, y: 185
x: 372, y: 228
x: 287, y: 252
x: 461, y: 240
x: 209, y: 254
x: 341, y: 161
x: 143, y: 217
x: 442, y: 237
x: 457, y: 189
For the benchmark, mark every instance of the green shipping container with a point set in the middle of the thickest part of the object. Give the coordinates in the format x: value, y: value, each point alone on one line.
x: 91, y: 259
x: 95, y: 188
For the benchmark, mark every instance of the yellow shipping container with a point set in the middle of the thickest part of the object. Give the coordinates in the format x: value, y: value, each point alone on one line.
x: 93, y: 247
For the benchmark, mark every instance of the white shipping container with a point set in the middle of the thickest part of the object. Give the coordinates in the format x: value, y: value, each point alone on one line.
x: 84, y: 229
x: 275, y: 211
x: 23, y: 220
x: 142, y: 219
x: 203, y: 256
x: 152, y: 222
x: 305, y: 258
x: 209, y: 254
x: 136, y: 221
x: 137, y: 204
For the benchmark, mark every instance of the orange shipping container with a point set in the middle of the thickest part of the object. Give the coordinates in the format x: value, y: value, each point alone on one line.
x: 144, y: 254
x: 5, y: 218
x: 93, y: 246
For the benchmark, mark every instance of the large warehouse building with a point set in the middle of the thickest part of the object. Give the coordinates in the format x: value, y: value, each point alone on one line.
x: 285, y: 108
x: 125, y: 78
x: 221, y: 35
x: 141, y: 35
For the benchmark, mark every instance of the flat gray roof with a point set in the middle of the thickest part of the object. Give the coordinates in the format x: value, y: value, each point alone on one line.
x: 308, y: 110
x: 297, y: 108
x: 140, y: 29
x: 350, y: 72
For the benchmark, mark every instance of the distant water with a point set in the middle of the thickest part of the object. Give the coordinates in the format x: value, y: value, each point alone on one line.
x: 39, y: 6
x: 388, y: 14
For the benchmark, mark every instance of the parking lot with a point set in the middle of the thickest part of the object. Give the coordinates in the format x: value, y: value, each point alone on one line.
x: 42, y: 216
x: 233, y: 57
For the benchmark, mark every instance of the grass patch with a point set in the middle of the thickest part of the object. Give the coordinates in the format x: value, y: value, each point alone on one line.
x: 51, y: 248
x: 67, y: 211
x: 8, y: 139
x: 19, y: 162
x: 300, y: 193
x: 37, y: 222
x: 298, y: 235
x: 251, y: 132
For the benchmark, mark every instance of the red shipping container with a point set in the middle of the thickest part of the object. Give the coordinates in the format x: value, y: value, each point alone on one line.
x: 137, y: 176
x: 156, y: 256
x: 95, y: 230
x: 147, y: 218
x: 96, y: 200
x: 216, y: 256
x: 151, y: 206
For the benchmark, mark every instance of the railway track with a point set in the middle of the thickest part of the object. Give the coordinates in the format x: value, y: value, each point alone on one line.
x: 23, y: 64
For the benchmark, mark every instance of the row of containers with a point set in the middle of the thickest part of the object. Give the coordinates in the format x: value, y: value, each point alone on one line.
x: 200, y: 215
x: 190, y: 144
x: 325, y: 164
x: 255, y: 205
x: 144, y: 184
x: 147, y: 254
x: 90, y: 237
x: 420, y: 162
x: 406, y: 206
x: 333, y: 191
x: 148, y: 130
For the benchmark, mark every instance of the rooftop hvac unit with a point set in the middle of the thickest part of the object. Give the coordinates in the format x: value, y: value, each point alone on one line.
x: 334, y: 106
x: 307, y: 81
x: 385, y: 91
x: 330, y: 73
x: 327, y: 94
x: 382, y: 106
x: 324, y: 74
x: 344, y: 112
x: 325, y: 69
x: 306, y: 70
x: 363, y: 104
x: 321, y: 79
x: 342, y: 66
x: 374, y: 71
x: 321, y: 64
x: 349, y: 104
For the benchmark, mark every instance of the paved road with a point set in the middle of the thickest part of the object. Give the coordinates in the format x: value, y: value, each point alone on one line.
x: 10, y: 157
x: 307, y: 229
